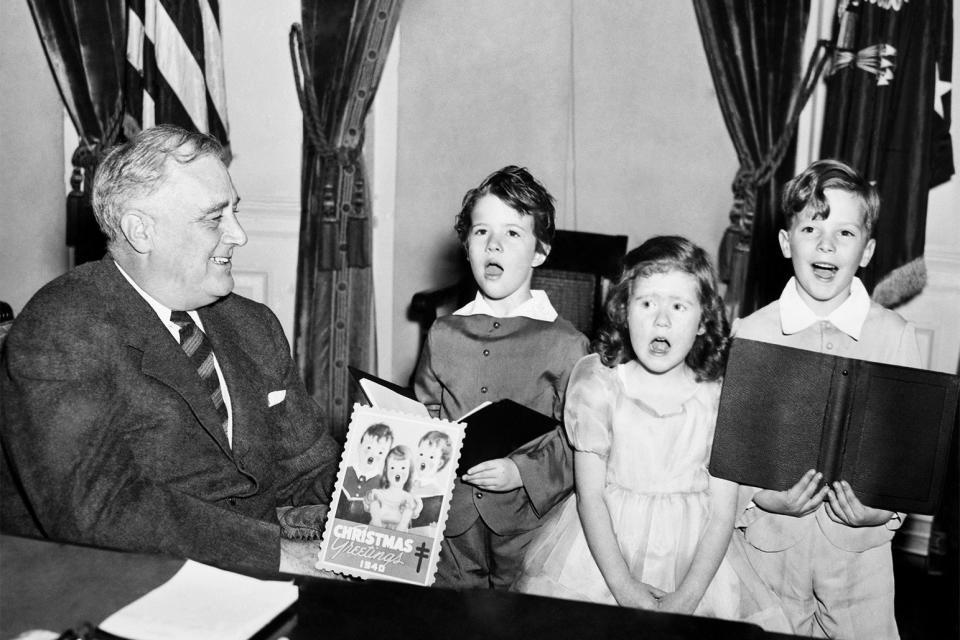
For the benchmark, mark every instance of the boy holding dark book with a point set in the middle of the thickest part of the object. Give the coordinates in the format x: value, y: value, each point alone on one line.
x: 508, y: 343
x: 824, y: 553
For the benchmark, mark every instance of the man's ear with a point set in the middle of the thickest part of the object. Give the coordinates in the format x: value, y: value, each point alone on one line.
x: 868, y: 250
x: 137, y: 228
x: 784, y: 238
x: 541, y: 255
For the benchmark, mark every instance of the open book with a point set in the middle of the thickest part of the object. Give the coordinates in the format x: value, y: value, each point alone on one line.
x: 884, y: 429
x: 493, y: 429
x: 384, y: 394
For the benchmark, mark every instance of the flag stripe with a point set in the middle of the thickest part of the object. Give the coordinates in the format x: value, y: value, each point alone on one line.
x: 174, y: 65
x: 217, y: 128
x: 212, y: 69
x: 215, y: 9
x: 186, y: 18
x: 160, y: 102
x: 178, y: 65
x: 135, y: 38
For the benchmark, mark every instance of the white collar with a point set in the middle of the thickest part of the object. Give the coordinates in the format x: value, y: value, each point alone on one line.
x: 538, y: 307
x: 158, y: 307
x: 795, y: 315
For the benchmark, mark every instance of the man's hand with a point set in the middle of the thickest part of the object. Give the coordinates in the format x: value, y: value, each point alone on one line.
x: 799, y: 500
x: 844, y: 507
x: 302, y: 523
x: 499, y: 474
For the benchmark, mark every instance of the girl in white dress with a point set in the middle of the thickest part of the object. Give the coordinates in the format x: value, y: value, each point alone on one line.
x: 647, y: 526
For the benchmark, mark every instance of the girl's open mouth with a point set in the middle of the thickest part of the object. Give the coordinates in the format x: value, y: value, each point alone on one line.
x: 659, y: 346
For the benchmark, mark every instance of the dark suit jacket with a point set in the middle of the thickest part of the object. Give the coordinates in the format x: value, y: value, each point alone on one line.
x: 111, y: 440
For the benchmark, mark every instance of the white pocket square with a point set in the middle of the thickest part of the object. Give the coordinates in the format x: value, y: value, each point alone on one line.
x: 276, y: 397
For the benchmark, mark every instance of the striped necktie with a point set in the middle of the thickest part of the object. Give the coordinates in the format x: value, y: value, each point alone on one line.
x: 196, y: 345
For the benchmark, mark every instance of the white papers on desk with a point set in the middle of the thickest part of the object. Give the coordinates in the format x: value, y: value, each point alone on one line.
x: 203, y: 603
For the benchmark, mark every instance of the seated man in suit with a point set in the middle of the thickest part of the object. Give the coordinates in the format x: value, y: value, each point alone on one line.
x: 144, y: 405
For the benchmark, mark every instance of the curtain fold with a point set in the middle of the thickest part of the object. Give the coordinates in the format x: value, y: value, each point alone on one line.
x: 84, y: 42
x: 882, y: 118
x: 754, y: 49
x: 338, y: 56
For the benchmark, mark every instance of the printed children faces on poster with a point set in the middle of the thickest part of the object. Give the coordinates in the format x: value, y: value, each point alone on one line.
x: 392, y: 495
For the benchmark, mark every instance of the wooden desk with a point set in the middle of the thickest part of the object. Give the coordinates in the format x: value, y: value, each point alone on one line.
x: 378, y: 609
x: 45, y: 585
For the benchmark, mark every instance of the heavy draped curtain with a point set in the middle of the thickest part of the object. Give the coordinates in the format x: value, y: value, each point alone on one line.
x: 84, y: 42
x: 338, y: 55
x: 123, y: 64
x: 884, y: 116
x: 754, y: 50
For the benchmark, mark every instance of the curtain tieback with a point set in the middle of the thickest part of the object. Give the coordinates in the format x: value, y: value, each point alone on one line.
x: 309, y: 105
x: 750, y: 177
x: 85, y: 159
x: 345, y: 156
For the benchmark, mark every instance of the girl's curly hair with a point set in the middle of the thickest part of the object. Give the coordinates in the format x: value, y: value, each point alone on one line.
x: 661, y: 254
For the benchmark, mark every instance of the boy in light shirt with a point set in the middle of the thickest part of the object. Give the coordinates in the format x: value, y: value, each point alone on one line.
x: 824, y: 553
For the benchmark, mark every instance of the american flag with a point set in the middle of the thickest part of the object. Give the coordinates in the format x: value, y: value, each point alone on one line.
x: 174, y: 69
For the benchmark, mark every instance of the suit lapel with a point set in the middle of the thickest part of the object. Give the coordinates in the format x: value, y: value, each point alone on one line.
x: 247, y: 399
x: 167, y: 364
x: 161, y: 358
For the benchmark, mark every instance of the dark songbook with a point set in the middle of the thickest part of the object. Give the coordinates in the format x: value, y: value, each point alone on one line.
x: 498, y: 429
x: 884, y: 429
x: 493, y: 429
x: 429, y: 512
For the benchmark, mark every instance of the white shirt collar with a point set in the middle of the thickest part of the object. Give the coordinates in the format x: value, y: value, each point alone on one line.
x: 162, y: 311
x: 795, y: 315
x: 538, y: 307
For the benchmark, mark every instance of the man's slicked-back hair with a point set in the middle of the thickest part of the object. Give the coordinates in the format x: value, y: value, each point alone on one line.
x: 519, y: 190
x: 136, y: 169
x: 805, y: 191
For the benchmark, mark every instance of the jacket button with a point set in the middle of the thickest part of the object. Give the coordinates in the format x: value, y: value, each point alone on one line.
x: 483, y: 389
x: 486, y: 352
x: 478, y: 494
x: 496, y: 325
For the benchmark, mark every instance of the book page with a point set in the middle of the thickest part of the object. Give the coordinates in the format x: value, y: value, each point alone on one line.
x: 203, y: 603
x: 383, y: 398
x: 482, y: 405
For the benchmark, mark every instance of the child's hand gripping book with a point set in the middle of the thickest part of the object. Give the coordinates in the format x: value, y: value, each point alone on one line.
x: 884, y: 429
